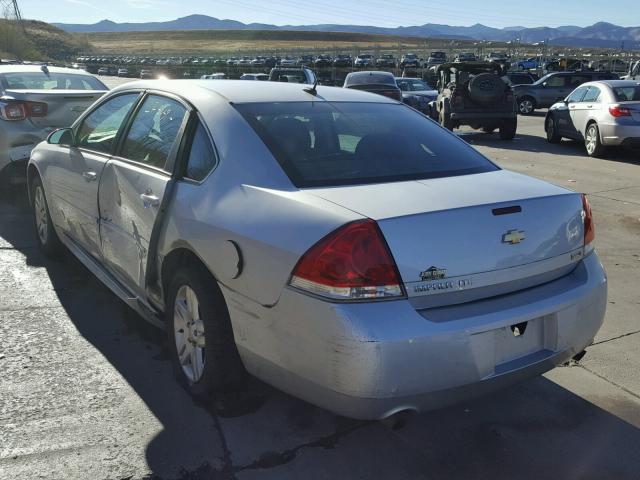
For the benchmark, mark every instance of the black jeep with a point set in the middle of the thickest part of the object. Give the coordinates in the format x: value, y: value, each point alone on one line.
x: 473, y: 93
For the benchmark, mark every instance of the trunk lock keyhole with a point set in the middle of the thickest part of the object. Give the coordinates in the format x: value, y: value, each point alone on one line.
x: 518, y: 329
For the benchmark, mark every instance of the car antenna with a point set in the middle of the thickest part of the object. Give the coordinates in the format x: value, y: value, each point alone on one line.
x: 314, y: 89
x: 45, y: 69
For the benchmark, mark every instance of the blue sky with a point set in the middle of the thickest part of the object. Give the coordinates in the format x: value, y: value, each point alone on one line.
x: 495, y: 13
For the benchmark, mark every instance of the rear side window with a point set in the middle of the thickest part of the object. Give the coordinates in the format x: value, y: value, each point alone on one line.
x: 99, y: 129
x: 154, y: 131
x: 327, y: 144
x: 202, y: 158
x: 557, y: 81
x: 51, y: 81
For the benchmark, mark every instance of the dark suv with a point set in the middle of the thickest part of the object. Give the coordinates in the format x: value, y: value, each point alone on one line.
x: 473, y: 93
x: 553, y: 88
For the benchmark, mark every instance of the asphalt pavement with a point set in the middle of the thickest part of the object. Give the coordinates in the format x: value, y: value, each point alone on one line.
x: 87, y: 390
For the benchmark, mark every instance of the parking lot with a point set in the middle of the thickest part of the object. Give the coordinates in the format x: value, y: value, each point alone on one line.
x: 87, y: 389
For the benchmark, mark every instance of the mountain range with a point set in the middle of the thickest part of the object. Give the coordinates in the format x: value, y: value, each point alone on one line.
x: 601, y: 34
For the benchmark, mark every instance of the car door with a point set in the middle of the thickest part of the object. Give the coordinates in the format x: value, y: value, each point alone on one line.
x: 571, y: 111
x: 585, y: 109
x: 133, y: 185
x: 75, y: 172
x: 554, y: 90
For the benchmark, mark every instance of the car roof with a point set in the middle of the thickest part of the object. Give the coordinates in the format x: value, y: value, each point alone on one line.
x: 237, y: 91
x: 20, y: 68
x: 614, y: 83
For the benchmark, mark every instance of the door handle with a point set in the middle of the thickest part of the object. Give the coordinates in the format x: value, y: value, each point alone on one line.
x: 149, y: 200
x: 90, y: 176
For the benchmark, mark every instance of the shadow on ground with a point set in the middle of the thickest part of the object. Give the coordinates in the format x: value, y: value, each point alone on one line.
x: 531, y: 431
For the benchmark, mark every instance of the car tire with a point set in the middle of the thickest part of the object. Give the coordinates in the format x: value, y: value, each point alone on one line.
x: 46, y: 235
x: 526, y: 105
x: 444, y: 115
x: 552, y: 131
x: 592, y: 141
x: 508, y: 129
x: 201, y: 341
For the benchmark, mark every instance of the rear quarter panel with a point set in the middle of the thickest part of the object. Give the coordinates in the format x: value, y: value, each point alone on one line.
x: 247, y: 200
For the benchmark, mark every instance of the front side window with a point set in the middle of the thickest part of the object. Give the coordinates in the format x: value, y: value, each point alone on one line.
x: 592, y: 96
x: 99, y: 129
x: 51, y: 81
x: 154, y: 131
x: 202, y: 157
x: 577, y: 95
x: 344, y: 143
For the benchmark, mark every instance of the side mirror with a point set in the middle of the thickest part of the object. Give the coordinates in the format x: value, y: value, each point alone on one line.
x: 544, y: 85
x: 61, y: 136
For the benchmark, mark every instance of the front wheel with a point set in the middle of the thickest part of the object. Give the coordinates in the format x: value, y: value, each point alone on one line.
x: 526, y: 105
x: 46, y: 235
x: 592, y: 141
x: 201, y: 339
x: 508, y: 129
x: 552, y: 131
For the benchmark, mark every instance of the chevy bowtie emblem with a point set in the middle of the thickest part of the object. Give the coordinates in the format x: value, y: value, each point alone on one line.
x: 513, y: 236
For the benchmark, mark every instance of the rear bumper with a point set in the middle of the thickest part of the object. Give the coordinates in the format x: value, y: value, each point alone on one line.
x: 17, y: 139
x: 479, y: 116
x: 617, y: 134
x: 371, y: 360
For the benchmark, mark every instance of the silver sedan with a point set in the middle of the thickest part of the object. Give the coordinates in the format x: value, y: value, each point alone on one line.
x: 35, y: 100
x: 335, y: 243
x: 601, y: 114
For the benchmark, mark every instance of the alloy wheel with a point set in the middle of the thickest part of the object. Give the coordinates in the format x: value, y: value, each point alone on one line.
x: 42, y: 220
x: 591, y: 139
x: 526, y: 106
x: 189, y: 334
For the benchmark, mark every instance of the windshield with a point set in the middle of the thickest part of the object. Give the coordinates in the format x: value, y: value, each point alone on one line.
x: 627, y: 94
x: 411, y: 85
x: 330, y: 144
x: 52, y: 81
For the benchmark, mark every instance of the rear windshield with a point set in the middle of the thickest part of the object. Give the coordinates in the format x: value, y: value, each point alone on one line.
x: 330, y: 144
x: 627, y: 94
x: 370, y: 79
x: 411, y: 85
x: 51, y: 81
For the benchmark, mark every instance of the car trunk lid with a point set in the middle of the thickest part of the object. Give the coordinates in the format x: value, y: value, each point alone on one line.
x: 459, y: 239
x: 63, y: 106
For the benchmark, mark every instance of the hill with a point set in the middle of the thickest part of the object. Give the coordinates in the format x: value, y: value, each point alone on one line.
x: 600, y: 34
x: 231, y: 42
x: 38, y: 41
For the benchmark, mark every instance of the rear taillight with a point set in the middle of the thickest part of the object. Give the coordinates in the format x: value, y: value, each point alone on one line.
x: 619, y: 111
x: 351, y: 263
x: 587, y: 220
x: 13, y: 111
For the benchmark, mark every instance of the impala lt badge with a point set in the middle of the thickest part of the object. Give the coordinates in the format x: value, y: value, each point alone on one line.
x: 433, y: 273
x: 513, y: 237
